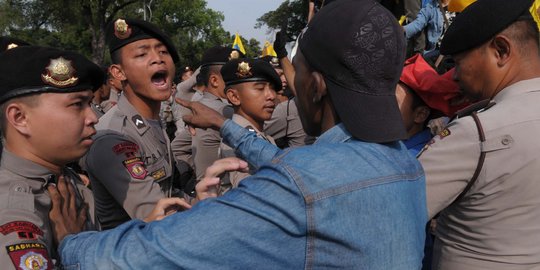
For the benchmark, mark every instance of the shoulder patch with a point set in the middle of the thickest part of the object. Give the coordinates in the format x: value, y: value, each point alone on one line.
x: 444, y: 133
x: 135, y: 167
x: 24, y: 229
x: 125, y: 147
x: 29, y: 256
x: 158, y: 174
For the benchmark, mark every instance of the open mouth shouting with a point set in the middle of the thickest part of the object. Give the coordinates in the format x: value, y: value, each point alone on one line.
x: 160, y: 80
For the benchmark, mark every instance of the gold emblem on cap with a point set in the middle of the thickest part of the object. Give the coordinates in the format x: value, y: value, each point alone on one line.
x: 60, y: 73
x: 121, y: 29
x: 234, y: 55
x: 244, y: 70
x: 12, y: 46
x: 274, y: 62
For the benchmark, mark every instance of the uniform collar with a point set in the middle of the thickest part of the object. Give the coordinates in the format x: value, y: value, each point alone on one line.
x: 211, y: 96
x: 243, y: 122
x: 133, y: 117
x: 25, y: 168
x: 518, y: 88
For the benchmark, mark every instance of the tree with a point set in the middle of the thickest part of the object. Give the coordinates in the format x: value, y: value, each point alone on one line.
x: 79, y: 25
x: 290, y: 16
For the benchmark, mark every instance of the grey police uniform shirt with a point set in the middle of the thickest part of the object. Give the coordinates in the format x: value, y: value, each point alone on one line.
x: 205, y: 143
x: 98, y: 110
x: 25, y: 231
x: 285, y: 126
x: 129, y: 165
x: 232, y: 179
x: 181, y: 144
x: 496, y: 225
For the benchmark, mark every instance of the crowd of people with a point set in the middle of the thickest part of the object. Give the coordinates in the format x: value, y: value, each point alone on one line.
x: 355, y: 150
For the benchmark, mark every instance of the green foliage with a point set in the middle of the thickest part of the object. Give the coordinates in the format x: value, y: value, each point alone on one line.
x: 290, y: 16
x: 80, y: 24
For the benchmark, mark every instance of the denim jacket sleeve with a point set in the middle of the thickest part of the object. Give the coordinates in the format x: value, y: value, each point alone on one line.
x: 209, y: 236
x: 247, y: 145
x: 419, y: 23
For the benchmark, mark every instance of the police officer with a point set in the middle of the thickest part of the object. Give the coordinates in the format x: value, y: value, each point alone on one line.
x: 130, y: 165
x: 46, y: 122
x: 251, y: 86
x: 482, y: 171
x: 205, y: 143
x: 7, y: 43
x: 285, y: 125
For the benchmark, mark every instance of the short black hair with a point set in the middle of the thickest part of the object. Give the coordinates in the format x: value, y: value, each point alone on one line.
x: 206, y: 71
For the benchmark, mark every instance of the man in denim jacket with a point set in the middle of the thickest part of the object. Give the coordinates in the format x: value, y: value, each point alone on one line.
x: 353, y: 200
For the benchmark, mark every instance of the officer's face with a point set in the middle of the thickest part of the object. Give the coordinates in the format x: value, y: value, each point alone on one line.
x: 148, y: 69
x: 60, y: 126
x: 310, y: 113
x: 474, y: 73
x: 255, y: 100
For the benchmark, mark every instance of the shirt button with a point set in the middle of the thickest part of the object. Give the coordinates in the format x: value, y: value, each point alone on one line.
x: 19, y: 189
x: 505, y: 141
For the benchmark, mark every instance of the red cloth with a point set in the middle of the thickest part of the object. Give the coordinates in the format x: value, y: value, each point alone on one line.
x: 439, y: 92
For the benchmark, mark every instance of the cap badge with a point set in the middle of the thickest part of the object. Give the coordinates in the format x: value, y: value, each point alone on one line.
x: 60, y: 73
x: 12, y: 46
x: 244, y: 70
x: 121, y: 29
x: 274, y: 62
x: 234, y: 55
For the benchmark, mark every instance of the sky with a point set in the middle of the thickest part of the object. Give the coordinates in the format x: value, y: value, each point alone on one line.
x: 241, y: 16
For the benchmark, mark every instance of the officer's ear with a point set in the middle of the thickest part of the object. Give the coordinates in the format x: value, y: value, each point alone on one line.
x: 502, y: 48
x: 319, y: 86
x: 213, y: 80
x: 421, y: 114
x: 233, y: 96
x: 117, y: 72
x: 17, y: 117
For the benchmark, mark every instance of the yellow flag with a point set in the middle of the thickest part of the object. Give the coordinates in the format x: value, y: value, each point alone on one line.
x: 268, y: 50
x: 238, y: 44
x: 402, y: 19
x: 535, y: 8
x: 459, y: 5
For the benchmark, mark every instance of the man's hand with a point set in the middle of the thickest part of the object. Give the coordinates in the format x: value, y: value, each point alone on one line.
x: 64, y: 216
x: 166, y: 207
x: 208, y: 186
x: 202, y: 116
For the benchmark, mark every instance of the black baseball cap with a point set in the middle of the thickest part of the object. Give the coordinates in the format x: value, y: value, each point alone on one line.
x: 482, y: 20
x: 124, y: 31
x: 30, y: 70
x: 359, y: 47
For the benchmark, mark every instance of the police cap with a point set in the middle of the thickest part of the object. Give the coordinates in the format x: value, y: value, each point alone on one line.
x: 124, y: 31
x: 7, y: 43
x: 249, y: 70
x: 30, y: 70
x: 482, y: 20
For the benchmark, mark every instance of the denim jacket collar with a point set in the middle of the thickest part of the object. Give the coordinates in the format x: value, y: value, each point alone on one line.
x: 338, y: 133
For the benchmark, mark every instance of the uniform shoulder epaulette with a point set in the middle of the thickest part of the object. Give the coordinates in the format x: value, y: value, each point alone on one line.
x: 475, y: 107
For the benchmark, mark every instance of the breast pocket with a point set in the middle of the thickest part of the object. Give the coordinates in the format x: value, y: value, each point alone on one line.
x: 158, y: 167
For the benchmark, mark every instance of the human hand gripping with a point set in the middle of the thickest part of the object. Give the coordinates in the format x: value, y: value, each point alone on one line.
x: 65, y: 217
x: 201, y: 116
x: 208, y: 186
x: 166, y: 207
